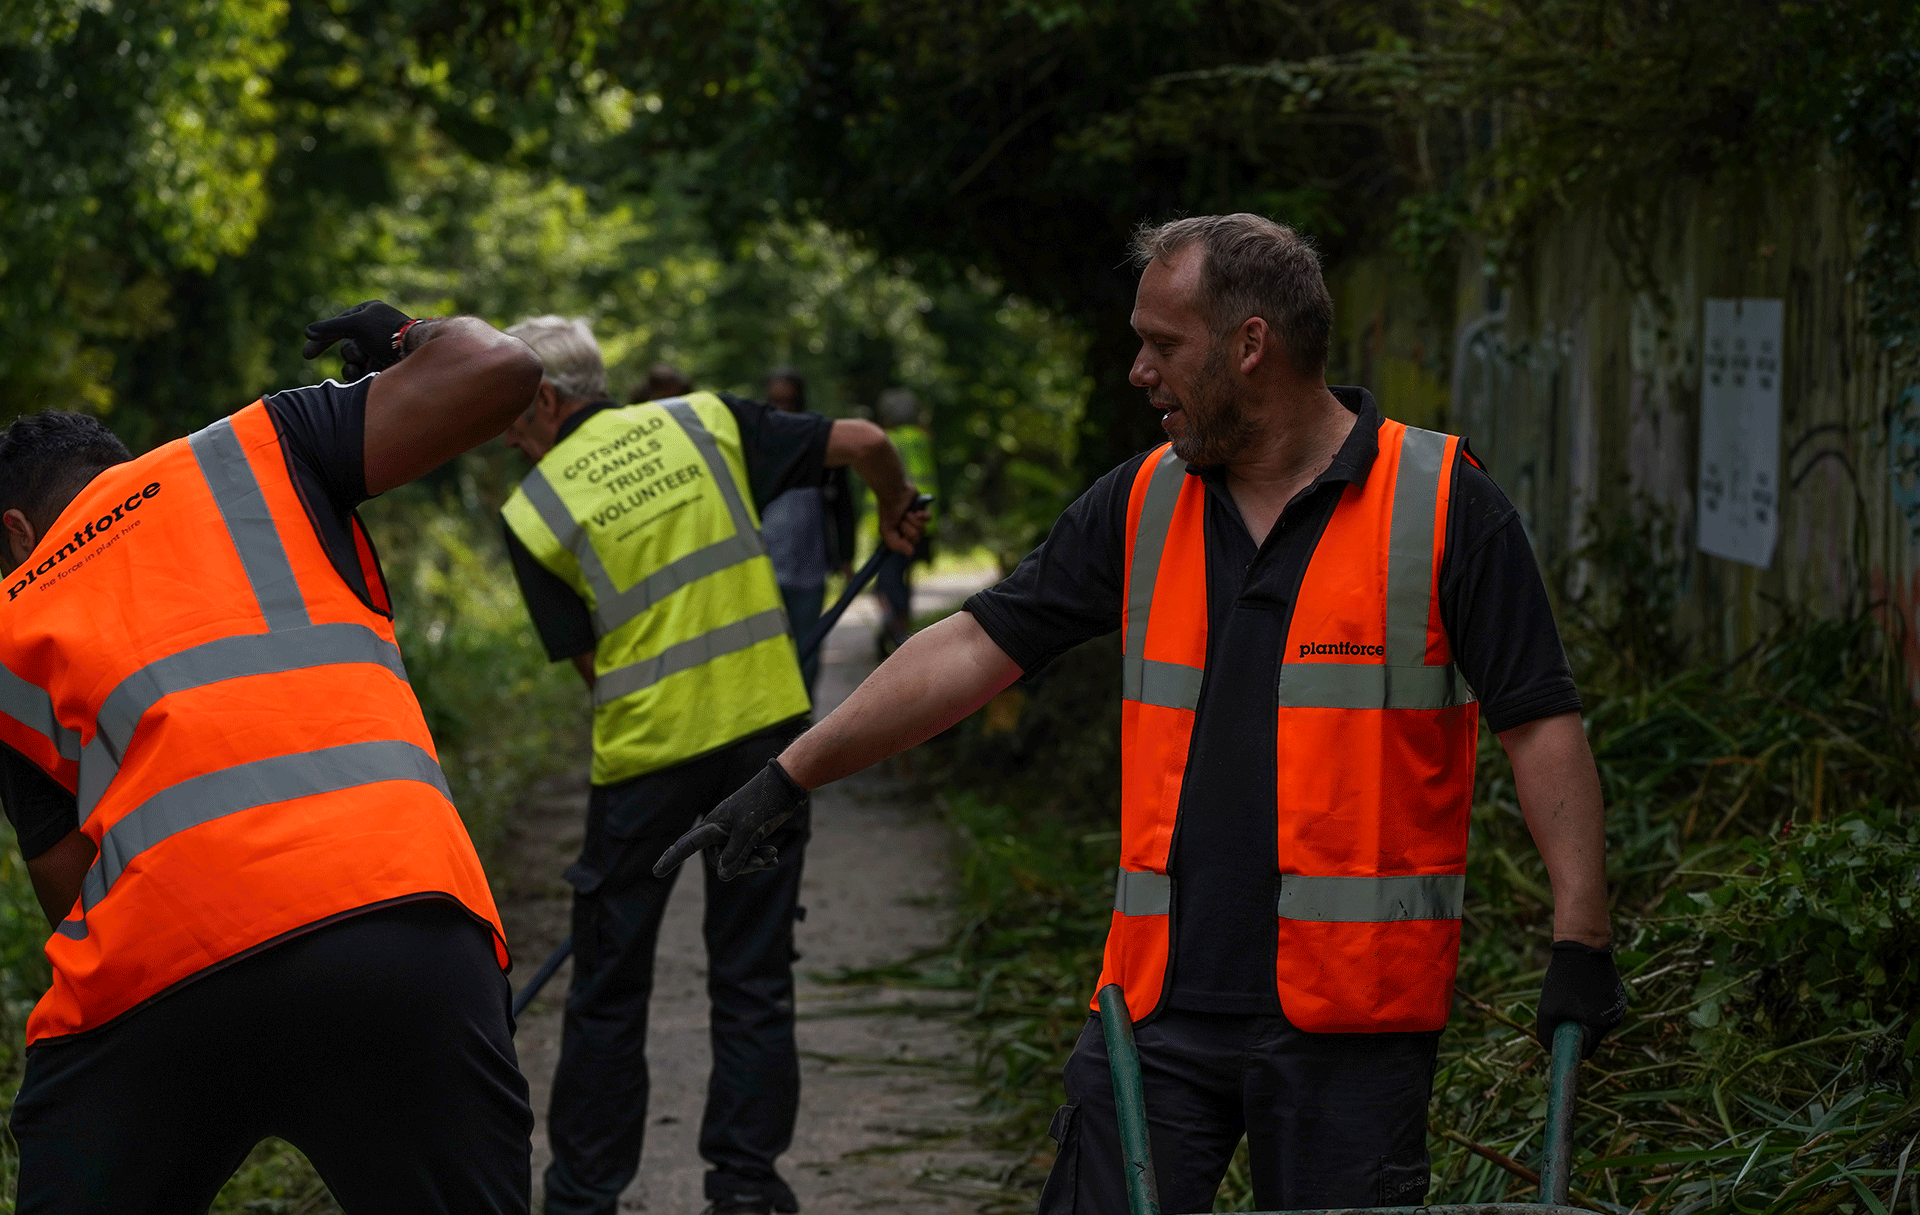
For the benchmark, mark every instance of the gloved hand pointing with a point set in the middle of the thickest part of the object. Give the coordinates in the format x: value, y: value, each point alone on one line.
x: 369, y: 337
x: 1582, y: 985
x: 732, y: 834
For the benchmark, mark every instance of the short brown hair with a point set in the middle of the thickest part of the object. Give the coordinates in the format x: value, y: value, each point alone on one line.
x: 1253, y: 267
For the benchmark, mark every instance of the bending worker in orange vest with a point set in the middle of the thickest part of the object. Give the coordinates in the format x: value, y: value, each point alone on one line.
x: 1310, y: 597
x: 268, y: 918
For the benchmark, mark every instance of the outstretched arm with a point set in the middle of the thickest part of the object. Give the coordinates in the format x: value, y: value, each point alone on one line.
x: 459, y: 385
x: 939, y: 676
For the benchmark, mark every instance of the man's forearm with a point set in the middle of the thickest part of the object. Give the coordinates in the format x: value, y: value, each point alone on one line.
x: 1559, y: 791
x: 938, y: 677
x: 459, y: 386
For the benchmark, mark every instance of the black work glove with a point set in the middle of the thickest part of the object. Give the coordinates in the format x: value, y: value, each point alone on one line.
x: 369, y: 337
x: 735, y: 833
x: 1582, y: 985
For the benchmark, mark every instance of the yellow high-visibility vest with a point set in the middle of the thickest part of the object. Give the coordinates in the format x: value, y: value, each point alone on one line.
x: 644, y: 512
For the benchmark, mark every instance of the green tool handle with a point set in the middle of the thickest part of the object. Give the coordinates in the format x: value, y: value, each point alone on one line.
x: 1130, y: 1101
x: 1556, y: 1172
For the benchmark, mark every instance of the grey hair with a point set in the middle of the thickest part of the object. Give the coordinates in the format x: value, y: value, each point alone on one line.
x: 1254, y: 267
x: 566, y: 346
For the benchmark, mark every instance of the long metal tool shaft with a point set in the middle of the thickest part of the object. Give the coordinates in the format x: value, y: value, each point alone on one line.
x: 811, y: 643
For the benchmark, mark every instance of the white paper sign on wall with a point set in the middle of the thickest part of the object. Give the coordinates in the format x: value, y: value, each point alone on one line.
x: 1740, y: 430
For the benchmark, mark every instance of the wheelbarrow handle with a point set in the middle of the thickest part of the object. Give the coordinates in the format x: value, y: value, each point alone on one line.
x: 1129, y: 1102
x: 1136, y: 1150
x: 1563, y: 1084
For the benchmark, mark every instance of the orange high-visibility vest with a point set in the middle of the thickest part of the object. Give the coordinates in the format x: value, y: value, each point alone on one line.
x: 236, y: 723
x: 1375, y: 737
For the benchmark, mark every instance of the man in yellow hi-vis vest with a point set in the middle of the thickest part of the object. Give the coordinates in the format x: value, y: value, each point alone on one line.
x: 636, y: 544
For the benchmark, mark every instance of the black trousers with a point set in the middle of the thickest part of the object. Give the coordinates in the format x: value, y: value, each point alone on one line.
x: 1331, y: 1120
x: 379, y: 1045
x: 597, y: 1121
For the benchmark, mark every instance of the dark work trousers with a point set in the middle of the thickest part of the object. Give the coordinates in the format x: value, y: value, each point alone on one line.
x: 379, y: 1045
x: 1331, y: 1120
x: 598, y: 1117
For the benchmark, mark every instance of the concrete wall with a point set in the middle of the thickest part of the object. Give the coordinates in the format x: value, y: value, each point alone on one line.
x: 1578, y: 384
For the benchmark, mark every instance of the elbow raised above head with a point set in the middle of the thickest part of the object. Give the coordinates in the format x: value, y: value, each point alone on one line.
x: 520, y: 366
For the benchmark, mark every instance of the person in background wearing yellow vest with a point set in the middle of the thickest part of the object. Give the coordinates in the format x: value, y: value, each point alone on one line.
x: 899, y: 412
x: 636, y: 543
x: 1310, y: 596
x: 269, y: 919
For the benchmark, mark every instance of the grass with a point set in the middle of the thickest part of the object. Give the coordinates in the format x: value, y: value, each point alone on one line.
x: 1765, y: 868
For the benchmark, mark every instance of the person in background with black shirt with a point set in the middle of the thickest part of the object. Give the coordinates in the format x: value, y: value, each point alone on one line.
x: 661, y: 763
x: 377, y: 1039
x: 809, y: 531
x: 1233, y: 319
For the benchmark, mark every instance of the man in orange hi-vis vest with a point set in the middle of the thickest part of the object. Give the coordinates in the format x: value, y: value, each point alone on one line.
x: 267, y: 916
x: 1318, y: 604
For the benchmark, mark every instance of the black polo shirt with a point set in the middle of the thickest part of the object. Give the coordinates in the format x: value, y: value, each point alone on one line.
x: 782, y: 451
x: 1493, y: 605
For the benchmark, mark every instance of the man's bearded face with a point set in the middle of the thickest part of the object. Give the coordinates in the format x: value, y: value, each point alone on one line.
x: 1213, y: 425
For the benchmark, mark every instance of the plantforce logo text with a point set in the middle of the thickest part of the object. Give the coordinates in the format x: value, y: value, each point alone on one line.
x: 93, y: 533
x: 1309, y: 648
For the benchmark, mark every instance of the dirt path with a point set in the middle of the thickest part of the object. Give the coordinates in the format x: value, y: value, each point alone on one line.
x: 884, y: 1104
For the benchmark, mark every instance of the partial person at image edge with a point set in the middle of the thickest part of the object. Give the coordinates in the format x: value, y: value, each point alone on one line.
x: 269, y: 917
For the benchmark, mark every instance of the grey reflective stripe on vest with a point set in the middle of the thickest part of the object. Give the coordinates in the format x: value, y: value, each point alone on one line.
x: 1410, y: 546
x: 30, y: 705
x: 1353, y: 685
x: 261, y: 782
x: 214, y: 662
x: 1371, y: 900
x: 223, y: 462
x: 710, y: 451
x: 686, y: 655
x: 1403, y: 680
x: 1137, y: 893
x: 1168, y: 684
x: 613, y: 607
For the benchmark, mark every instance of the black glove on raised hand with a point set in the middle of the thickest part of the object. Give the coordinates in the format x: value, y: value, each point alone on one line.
x: 734, y: 833
x: 1582, y: 985
x: 369, y: 337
